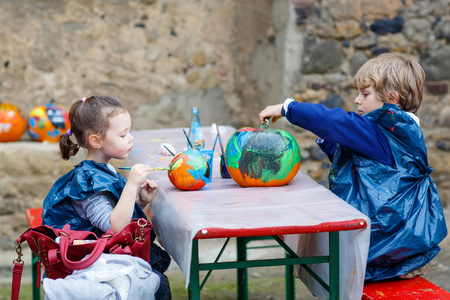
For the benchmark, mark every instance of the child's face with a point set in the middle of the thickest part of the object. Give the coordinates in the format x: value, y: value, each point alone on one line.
x: 367, y: 101
x: 118, y: 140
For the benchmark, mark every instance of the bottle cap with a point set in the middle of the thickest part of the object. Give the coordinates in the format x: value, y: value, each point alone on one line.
x: 194, y: 110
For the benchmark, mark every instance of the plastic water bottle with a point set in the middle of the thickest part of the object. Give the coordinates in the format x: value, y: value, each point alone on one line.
x: 195, y: 130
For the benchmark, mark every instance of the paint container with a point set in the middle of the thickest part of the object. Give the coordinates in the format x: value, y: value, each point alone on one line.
x: 223, y: 168
x: 208, y: 155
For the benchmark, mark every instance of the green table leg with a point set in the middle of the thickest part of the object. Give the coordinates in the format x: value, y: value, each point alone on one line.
x: 194, y: 277
x: 334, y: 265
x: 242, y: 279
x: 290, y: 285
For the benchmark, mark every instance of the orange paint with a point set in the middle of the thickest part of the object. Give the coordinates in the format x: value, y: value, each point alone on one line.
x: 246, y: 180
x: 12, y: 123
x: 187, y: 170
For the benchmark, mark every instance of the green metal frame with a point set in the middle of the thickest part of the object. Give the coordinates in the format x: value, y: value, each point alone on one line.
x: 36, y: 291
x: 242, y: 264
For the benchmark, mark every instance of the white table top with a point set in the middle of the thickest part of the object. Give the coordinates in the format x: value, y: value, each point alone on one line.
x: 180, y: 216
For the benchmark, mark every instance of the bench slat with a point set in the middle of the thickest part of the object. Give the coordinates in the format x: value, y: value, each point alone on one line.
x: 405, y: 289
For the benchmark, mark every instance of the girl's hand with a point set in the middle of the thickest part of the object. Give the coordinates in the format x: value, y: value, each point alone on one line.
x: 123, y: 211
x: 138, y: 174
x: 146, y: 193
x: 272, y: 111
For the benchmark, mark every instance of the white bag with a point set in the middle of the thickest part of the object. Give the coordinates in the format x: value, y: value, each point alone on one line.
x: 112, y: 276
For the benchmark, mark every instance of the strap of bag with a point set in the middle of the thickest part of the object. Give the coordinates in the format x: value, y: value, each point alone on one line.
x: 89, y: 260
x: 38, y: 273
x: 17, y: 273
x: 16, y: 280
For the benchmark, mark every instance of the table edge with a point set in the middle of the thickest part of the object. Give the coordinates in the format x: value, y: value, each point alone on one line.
x: 214, y: 232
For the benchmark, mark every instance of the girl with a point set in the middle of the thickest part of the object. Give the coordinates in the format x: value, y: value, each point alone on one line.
x: 93, y: 196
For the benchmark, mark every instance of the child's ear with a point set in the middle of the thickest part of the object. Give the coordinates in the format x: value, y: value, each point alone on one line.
x: 393, y: 97
x: 95, y: 141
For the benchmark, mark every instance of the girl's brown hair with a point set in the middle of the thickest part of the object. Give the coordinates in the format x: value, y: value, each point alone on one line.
x: 389, y: 73
x: 88, y: 116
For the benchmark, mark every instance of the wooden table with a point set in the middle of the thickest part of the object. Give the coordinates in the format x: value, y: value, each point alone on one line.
x: 318, y: 230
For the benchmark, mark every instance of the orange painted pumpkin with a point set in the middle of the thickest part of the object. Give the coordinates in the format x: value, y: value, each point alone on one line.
x: 12, y: 123
x: 48, y: 122
x: 262, y: 157
x: 189, y: 170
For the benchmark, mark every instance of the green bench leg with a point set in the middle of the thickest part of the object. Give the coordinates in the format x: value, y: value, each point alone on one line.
x: 34, y: 271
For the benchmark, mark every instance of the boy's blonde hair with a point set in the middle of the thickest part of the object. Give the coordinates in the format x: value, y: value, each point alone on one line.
x: 391, y: 73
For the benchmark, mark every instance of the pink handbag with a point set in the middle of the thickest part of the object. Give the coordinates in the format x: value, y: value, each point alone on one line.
x: 61, y: 251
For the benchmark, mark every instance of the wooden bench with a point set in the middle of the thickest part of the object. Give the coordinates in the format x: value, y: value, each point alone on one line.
x: 405, y: 289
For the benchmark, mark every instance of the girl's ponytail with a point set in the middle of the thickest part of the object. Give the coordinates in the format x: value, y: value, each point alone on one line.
x: 67, y: 148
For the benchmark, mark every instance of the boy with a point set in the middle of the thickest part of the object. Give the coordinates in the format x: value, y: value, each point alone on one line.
x: 379, y: 163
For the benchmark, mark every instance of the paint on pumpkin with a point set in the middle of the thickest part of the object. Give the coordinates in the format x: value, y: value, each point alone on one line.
x: 189, y: 170
x: 262, y: 157
x: 48, y: 122
x: 12, y: 123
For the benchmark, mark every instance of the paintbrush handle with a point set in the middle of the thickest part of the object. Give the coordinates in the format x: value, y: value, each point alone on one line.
x: 215, y: 141
x: 189, y: 141
x: 153, y: 169
x: 220, y: 139
x: 169, y: 150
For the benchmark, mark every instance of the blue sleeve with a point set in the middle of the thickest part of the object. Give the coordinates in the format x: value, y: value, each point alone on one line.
x: 328, y: 147
x: 335, y: 125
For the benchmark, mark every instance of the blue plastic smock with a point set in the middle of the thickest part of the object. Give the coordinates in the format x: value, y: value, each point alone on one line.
x: 401, y: 199
x: 85, y: 180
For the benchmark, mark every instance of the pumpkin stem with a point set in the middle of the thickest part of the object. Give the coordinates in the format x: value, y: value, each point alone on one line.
x: 266, y: 124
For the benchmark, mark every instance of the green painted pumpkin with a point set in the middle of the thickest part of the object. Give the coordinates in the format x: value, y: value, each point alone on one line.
x: 262, y: 157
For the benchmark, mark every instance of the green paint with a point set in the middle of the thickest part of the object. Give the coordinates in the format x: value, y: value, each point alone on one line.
x: 267, y: 154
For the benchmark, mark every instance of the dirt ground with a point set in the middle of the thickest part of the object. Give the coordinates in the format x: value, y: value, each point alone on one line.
x: 265, y: 283
x: 439, y: 271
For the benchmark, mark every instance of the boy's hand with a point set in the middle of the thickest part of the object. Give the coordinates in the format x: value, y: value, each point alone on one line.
x: 271, y: 111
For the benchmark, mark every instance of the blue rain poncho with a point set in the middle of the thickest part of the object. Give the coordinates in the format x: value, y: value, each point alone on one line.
x: 380, y: 166
x: 401, y: 199
x: 85, y: 180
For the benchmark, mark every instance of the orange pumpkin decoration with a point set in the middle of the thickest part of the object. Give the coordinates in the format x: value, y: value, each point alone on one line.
x: 12, y: 123
x: 48, y: 122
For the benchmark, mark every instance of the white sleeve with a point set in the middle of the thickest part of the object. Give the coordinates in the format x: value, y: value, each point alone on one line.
x: 286, y: 104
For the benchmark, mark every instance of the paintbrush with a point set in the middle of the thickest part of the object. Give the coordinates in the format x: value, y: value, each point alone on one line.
x: 215, y: 141
x: 189, y: 141
x: 169, y: 150
x: 220, y: 140
x: 153, y: 169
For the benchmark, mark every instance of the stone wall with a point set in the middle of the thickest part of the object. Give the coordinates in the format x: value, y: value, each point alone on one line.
x: 340, y: 35
x: 231, y: 58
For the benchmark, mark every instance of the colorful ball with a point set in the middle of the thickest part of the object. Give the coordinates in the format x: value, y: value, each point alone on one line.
x: 12, y: 123
x: 262, y: 157
x: 48, y: 122
x: 189, y: 170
